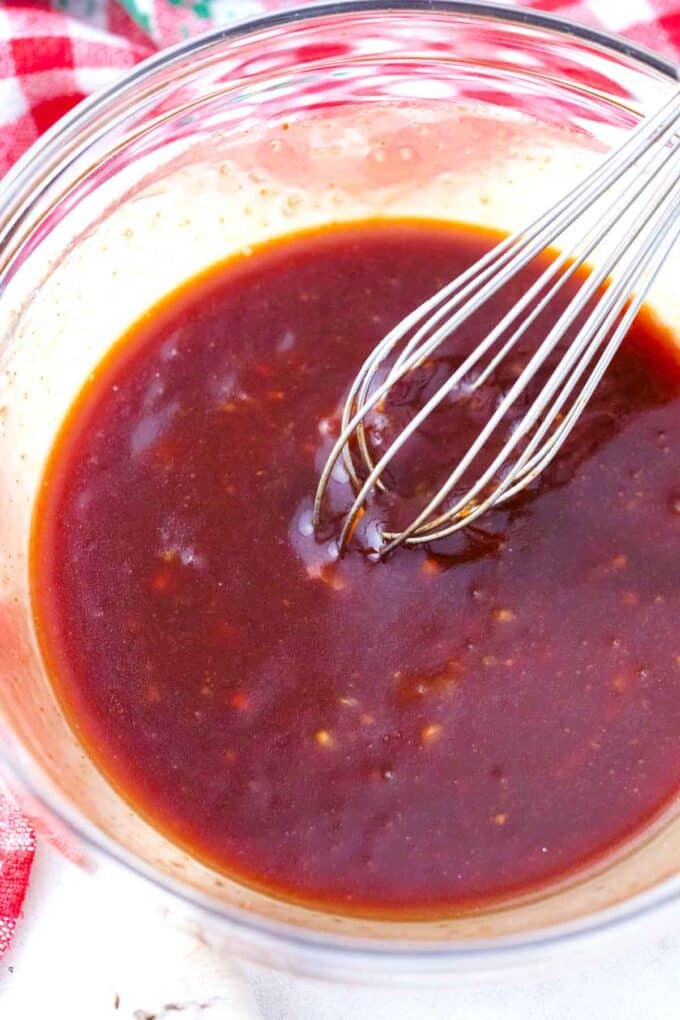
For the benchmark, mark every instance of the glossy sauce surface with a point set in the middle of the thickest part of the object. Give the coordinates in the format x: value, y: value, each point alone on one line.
x: 457, y: 725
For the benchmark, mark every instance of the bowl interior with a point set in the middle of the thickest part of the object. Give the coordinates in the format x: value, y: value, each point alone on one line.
x: 305, y: 120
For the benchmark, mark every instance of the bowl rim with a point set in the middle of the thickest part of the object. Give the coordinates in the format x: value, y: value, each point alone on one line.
x: 31, y: 162
x: 378, y: 953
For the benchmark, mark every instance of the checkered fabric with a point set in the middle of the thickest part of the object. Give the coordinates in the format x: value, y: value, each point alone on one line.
x: 17, y: 846
x: 53, y: 54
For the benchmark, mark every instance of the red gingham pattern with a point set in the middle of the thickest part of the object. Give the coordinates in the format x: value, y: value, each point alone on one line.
x: 48, y: 63
x: 52, y: 55
x: 17, y: 846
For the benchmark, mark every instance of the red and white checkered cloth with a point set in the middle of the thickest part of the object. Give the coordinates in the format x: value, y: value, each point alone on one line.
x: 17, y: 845
x: 54, y: 54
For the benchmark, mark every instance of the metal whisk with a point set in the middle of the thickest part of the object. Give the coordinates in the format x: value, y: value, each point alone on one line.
x: 630, y: 207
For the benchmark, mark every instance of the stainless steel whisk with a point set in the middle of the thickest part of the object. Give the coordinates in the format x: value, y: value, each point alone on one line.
x: 630, y: 207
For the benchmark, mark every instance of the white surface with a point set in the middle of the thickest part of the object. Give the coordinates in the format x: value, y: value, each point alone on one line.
x: 84, y: 940
x: 98, y: 948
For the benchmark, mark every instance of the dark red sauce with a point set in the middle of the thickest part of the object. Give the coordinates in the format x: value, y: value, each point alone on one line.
x: 426, y: 735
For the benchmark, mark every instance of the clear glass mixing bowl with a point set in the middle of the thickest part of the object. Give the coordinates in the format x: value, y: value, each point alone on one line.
x: 453, y: 110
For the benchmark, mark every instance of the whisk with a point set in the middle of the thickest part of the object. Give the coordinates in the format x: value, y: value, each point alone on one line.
x: 630, y: 205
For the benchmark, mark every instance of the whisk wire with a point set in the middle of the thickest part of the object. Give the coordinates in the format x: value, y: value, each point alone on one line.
x: 538, y: 464
x: 585, y: 246
x: 649, y: 130
x: 650, y: 157
x: 511, y: 485
x: 607, y: 310
x: 532, y: 240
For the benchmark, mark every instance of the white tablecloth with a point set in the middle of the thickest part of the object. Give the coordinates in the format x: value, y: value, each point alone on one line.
x: 77, y: 957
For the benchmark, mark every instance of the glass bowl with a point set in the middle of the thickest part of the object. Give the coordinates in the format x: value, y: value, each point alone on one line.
x: 458, y: 111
